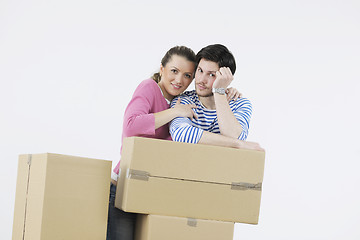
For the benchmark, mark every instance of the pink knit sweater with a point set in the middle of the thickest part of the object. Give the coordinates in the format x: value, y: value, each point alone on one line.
x: 139, y: 117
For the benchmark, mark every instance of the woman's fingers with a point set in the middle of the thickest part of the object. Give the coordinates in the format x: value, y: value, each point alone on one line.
x: 194, y: 114
x: 233, y: 94
x: 237, y: 95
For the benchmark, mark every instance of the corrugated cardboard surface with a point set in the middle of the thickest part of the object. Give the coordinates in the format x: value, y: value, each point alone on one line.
x: 61, y: 197
x: 190, y: 180
x: 153, y: 227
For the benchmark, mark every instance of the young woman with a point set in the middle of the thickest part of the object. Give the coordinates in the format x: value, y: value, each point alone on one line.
x: 148, y: 115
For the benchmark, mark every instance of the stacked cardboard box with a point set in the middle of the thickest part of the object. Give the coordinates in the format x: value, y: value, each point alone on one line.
x: 61, y: 197
x: 150, y: 227
x: 195, y: 181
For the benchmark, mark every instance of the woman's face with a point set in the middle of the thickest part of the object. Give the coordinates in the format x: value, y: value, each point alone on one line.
x: 176, y: 76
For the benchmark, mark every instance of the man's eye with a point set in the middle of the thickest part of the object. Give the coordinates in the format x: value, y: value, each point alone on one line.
x: 200, y: 70
x: 212, y: 75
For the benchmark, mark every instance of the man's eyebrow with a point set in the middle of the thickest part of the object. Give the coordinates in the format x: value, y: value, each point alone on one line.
x: 208, y: 71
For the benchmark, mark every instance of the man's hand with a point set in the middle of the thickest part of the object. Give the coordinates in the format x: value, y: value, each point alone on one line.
x: 250, y: 145
x: 223, y: 78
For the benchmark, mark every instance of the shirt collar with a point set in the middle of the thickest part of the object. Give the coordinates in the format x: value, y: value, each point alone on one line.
x: 163, y: 95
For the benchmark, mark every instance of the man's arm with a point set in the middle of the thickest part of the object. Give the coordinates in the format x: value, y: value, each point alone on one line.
x: 231, y: 124
x: 182, y: 130
x: 228, y: 124
x: 236, y: 116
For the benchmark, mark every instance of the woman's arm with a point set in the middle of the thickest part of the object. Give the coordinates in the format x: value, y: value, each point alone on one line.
x: 179, y: 110
x: 138, y: 119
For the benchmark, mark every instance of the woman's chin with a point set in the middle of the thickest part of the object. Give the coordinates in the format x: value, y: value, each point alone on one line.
x: 176, y: 92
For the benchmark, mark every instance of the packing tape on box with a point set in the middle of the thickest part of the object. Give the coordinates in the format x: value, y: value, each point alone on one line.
x: 246, y: 186
x: 137, y: 174
x: 192, y: 222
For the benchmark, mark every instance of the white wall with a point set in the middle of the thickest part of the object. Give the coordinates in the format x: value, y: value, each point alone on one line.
x: 68, y: 70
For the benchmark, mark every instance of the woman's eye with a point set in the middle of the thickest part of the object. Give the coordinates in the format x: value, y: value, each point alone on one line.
x: 174, y: 70
x: 212, y: 75
x: 199, y: 70
x: 187, y: 75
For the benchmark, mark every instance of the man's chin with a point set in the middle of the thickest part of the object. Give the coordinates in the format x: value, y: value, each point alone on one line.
x: 204, y: 94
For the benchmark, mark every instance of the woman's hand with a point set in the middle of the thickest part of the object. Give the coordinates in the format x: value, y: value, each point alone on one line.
x: 184, y: 110
x: 232, y: 94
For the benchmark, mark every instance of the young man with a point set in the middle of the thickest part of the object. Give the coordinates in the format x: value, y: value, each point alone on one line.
x: 217, y: 121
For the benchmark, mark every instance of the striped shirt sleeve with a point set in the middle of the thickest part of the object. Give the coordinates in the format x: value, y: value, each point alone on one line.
x: 181, y: 129
x: 242, y: 111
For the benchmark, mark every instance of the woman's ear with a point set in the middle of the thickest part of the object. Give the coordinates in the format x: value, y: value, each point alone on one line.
x: 161, y: 70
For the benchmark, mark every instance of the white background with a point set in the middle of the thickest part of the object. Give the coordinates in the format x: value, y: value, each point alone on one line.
x: 68, y: 69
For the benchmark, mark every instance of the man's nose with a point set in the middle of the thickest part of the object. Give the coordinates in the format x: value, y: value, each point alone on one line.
x: 203, y: 79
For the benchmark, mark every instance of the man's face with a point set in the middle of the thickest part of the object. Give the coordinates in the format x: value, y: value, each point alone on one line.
x: 205, y: 76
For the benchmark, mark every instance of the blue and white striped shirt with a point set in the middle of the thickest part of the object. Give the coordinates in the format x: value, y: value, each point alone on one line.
x: 190, y: 131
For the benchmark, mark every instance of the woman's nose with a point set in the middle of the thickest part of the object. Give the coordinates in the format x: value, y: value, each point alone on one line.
x: 178, y: 78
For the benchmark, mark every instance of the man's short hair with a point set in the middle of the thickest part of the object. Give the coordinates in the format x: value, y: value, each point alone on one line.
x: 217, y: 53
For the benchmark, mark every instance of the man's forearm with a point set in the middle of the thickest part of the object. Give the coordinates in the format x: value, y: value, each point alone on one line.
x: 228, y: 124
x: 209, y: 138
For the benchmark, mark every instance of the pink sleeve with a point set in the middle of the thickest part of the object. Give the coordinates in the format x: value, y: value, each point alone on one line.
x: 138, y: 121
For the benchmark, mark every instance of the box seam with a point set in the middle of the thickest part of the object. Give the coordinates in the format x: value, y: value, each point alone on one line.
x: 27, y: 191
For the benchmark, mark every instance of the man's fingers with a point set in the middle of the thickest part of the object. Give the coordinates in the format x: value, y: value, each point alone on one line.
x: 218, y: 74
x: 258, y: 147
x: 225, y: 71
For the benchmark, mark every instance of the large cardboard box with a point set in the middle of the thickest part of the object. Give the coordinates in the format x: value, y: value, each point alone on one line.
x: 61, y: 197
x: 154, y: 227
x: 190, y: 180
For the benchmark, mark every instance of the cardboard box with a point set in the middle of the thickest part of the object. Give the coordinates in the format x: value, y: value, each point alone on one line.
x: 154, y: 227
x: 190, y: 180
x: 61, y: 197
